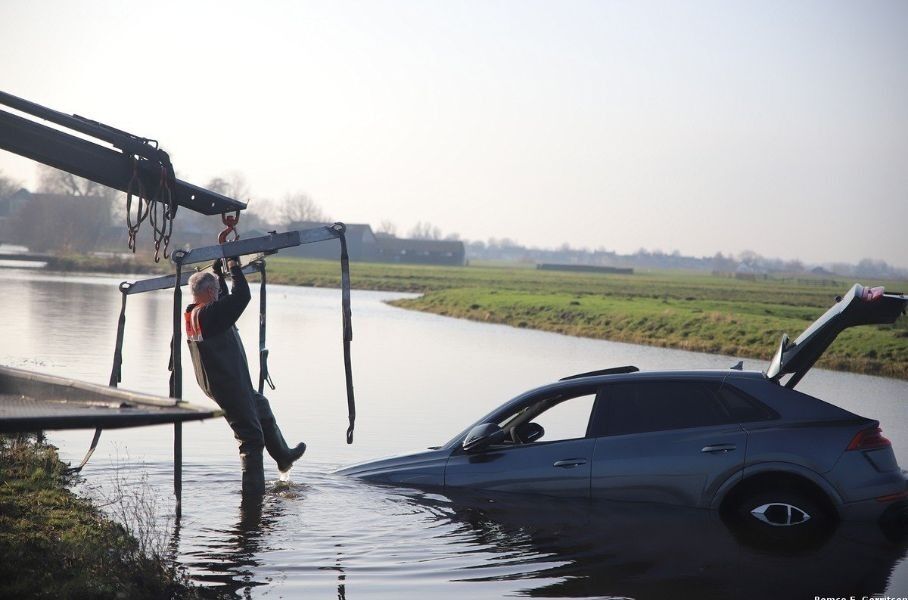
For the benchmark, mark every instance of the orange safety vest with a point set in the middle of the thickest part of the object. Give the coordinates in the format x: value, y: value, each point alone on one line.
x: 193, y: 326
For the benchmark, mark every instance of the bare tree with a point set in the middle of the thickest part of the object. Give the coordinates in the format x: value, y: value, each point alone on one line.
x: 68, y: 213
x: 300, y: 207
x: 386, y: 228
x: 61, y: 222
x: 232, y: 184
x: 8, y: 186
x: 54, y: 181
x: 723, y: 264
x: 260, y: 214
x: 794, y: 266
x: 749, y: 257
x: 425, y: 231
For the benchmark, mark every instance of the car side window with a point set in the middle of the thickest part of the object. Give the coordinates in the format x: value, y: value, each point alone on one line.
x: 567, y: 420
x: 659, y: 406
x: 560, y: 417
x: 743, y: 408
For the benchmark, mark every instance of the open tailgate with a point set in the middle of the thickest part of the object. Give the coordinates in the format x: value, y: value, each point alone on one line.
x: 860, y: 306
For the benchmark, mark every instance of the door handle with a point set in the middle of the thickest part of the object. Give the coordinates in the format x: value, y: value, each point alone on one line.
x: 716, y: 448
x: 569, y: 463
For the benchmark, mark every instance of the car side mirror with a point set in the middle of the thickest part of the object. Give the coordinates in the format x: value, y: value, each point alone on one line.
x: 528, y: 433
x: 482, y: 436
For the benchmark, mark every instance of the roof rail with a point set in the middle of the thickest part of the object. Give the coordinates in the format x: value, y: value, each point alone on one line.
x: 612, y: 371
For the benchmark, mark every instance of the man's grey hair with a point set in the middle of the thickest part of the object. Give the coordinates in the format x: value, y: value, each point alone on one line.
x: 200, y: 284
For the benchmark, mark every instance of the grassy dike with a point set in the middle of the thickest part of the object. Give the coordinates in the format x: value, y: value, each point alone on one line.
x: 84, y: 263
x: 671, y: 309
x: 54, y: 544
x: 691, y: 311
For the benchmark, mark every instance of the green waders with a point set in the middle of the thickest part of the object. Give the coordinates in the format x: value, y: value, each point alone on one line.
x: 222, y: 372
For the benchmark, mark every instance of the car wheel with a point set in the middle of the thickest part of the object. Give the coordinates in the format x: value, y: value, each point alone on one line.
x: 781, y: 521
x: 779, y: 510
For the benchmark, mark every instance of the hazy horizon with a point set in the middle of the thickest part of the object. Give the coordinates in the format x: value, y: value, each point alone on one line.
x: 775, y: 127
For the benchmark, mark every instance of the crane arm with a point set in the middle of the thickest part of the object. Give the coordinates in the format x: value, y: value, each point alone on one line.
x: 90, y: 160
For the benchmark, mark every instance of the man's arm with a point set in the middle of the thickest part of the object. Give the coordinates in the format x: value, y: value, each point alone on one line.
x: 221, y: 315
x: 222, y: 284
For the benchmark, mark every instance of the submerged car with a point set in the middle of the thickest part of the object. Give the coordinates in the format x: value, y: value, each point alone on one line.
x: 742, y: 442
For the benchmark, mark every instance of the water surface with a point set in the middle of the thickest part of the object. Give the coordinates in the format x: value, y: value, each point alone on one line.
x: 419, y: 379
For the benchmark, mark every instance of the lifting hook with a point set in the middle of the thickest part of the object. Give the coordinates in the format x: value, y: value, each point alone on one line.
x: 231, y: 222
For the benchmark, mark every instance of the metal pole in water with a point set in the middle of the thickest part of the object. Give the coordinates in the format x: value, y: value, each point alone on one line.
x: 176, y: 386
x: 178, y: 467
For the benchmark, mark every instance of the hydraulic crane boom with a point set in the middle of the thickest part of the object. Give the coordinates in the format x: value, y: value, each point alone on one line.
x: 97, y: 162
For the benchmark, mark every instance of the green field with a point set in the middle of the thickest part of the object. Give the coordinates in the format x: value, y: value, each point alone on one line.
x: 672, y: 309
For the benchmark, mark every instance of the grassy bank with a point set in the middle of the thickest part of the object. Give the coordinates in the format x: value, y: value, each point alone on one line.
x: 673, y: 309
x: 113, y: 264
x: 669, y: 309
x: 747, y: 329
x: 54, y: 544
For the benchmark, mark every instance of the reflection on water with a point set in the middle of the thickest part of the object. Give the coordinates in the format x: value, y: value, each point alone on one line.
x: 642, y: 551
x: 231, y: 560
x: 419, y: 379
x: 421, y: 542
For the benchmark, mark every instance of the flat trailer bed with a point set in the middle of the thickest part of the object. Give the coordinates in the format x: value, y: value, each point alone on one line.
x: 34, y: 401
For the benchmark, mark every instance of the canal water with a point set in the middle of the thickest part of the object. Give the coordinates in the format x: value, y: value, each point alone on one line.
x: 419, y: 380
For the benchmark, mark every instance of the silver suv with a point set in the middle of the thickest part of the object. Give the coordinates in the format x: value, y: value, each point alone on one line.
x: 742, y: 442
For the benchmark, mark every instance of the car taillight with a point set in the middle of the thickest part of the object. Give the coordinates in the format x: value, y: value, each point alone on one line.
x: 869, y: 439
x: 871, y: 294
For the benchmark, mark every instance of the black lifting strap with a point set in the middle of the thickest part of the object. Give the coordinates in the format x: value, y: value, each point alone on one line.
x: 175, y: 365
x: 264, y: 375
x: 91, y: 450
x: 348, y: 334
x: 116, y: 374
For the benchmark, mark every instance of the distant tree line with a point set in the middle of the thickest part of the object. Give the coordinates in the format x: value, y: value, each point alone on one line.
x: 70, y: 214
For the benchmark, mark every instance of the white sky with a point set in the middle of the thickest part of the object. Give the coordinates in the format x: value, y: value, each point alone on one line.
x: 775, y: 126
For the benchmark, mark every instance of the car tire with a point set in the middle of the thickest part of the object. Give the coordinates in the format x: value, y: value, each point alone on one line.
x: 801, y: 536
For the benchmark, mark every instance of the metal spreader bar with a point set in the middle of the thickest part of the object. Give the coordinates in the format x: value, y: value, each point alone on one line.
x: 165, y: 282
x: 266, y: 244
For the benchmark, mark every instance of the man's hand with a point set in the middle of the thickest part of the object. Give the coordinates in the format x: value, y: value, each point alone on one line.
x: 233, y: 261
x: 218, y: 267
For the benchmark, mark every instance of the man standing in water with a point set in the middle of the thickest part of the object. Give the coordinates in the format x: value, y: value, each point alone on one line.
x: 223, y: 373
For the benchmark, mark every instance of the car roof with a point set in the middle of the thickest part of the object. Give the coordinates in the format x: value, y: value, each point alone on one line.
x: 665, y: 374
x: 595, y: 380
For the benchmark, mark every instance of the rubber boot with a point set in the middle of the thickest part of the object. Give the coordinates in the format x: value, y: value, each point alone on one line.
x: 253, y: 473
x: 277, y: 447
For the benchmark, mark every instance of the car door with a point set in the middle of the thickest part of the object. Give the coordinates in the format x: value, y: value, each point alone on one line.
x: 558, y: 464
x: 664, y: 441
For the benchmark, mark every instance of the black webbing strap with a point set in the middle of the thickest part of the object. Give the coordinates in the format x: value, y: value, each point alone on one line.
x: 116, y: 373
x: 176, y: 367
x: 264, y: 375
x: 116, y: 370
x: 91, y: 450
x: 348, y: 333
